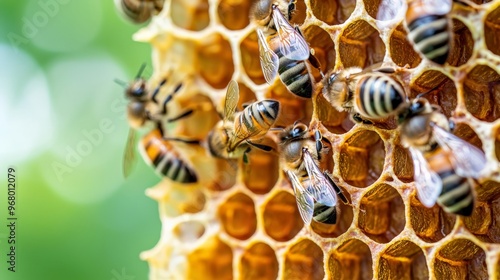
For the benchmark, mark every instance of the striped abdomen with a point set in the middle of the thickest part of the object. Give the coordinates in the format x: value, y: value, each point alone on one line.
x: 256, y: 119
x: 325, y: 214
x: 139, y: 10
x: 159, y: 153
x: 293, y: 73
x: 431, y: 36
x: 378, y: 96
x: 456, y: 196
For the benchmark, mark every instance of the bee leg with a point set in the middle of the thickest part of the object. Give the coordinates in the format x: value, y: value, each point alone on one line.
x: 319, y: 144
x: 181, y: 116
x: 245, y: 156
x: 157, y: 90
x: 452, y: 125
x: 337, y: 189
x: 357, y: 118
x: 181, y: 140
x: 169, y: 98
x: 265, y: 148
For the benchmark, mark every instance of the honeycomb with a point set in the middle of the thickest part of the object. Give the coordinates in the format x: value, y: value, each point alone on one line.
x: 241, y: 220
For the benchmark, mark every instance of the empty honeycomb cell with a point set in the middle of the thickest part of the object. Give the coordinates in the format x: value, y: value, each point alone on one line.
x: 430, y: 224
x: 237, y: 215
x: 492, y: 31
x: 323, y: 46
x: 401, y: 50
x: 299, y: 15
x: 488, y: 191
x: 344, y: 220
x: 361, y: 45
x: 462, y: 44
x: 234, y: 14
x: 351, y: 260
x: 482, y: 93
x: 465, y: 132
x: 259, y: 262
x: 250, y: 58
x: 223, y: 177
x: 403, y: 260
x: 330, y: 118
x: 403, y: 165
x: 460, y: 259
x: 189, y: 231
x: 247, y: 96
x: 216, y: 61
x: 304, y: 260
x: 282, y: 205
x: 203, y: 264
x: 371, y: 7
x: 485, y: 220
x: 180, y: 200
x: 262, y: 171
x: 438, y: 88
x: 362, y: 158
x: 198, y: 124
x: 382, y: 213
x: 326, y: 11
x: 292, y: 108
x: 190, y: 15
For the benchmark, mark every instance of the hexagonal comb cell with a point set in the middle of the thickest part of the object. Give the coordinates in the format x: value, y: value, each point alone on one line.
x: 299, y: 15
x: 403, y: 260
x: 176, y: 201
x: 360, y: 45
x: 203, y: 264
x: 262, y: 171
x: 247, y: 96
x: 234, y: 14
x: 430, y: 224
x: 438, y: 89
x: 323, y: 46
x: 216, y: 61
x: 484, y: 222
x: 292, y: 108
x: 382, y: 213
x: 237, y: 215
x: 462, y: 44
x: 189, y: 231
x: 465, y: 132
x: 250, y: 58
x: 282, y: 204
x: 351, y: 260
x: 332, y: 119
x: 362, y: 158
x: 401, y: 50
x: 304, y: 260
x: 403, y: 165
x: 326, y: 11
x: 460, y: 259
x: 190, y: 15
x: 492, y: 31
x: 259, y: 262
x: 482, y: 93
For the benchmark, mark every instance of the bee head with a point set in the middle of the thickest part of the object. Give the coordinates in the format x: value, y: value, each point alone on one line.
x: 297, y: 130
x: 137, y: 90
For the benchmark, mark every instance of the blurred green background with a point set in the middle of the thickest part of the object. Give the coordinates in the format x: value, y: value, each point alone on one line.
x: 64, y: 131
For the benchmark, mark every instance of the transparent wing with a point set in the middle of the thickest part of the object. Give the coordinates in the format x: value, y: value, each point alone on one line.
x: 436, y: 7
x: 232, y: 97
x: 292, y: 44
x: 427, y: 182
x: 129, y: 158
x: 390, y: 9
x: 467, y: 160
x: 305, y: 203
x: 320, y: 188
x: 269, y: 61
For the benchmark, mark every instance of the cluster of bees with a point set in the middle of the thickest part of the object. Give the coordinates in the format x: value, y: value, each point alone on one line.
x: 445, y: 166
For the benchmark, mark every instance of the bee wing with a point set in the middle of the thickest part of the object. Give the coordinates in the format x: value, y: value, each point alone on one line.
x: 231, y: 101
x: 390, y: 9
x: 436, y: 7
x: 269, y: 61
x: 129, y: 158
x: 305, y: 202
x: 427, y: 182
x: 292, y: 44
x: 320, y: 188
x: 467, y: 160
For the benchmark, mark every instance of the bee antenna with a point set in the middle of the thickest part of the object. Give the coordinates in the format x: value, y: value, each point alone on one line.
x: 121, y: 83
x: 141, y: 70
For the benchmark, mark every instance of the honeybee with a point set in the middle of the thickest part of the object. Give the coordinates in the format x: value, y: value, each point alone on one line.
x: 139, y: 11
x: 235, y: 133
x: 315, y: 192
x: 167, y: 162
x: 444, y: 164
x: 287, y: 51
x: 429, y: 26
x: 140, y: 110
x: 372, y: 94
